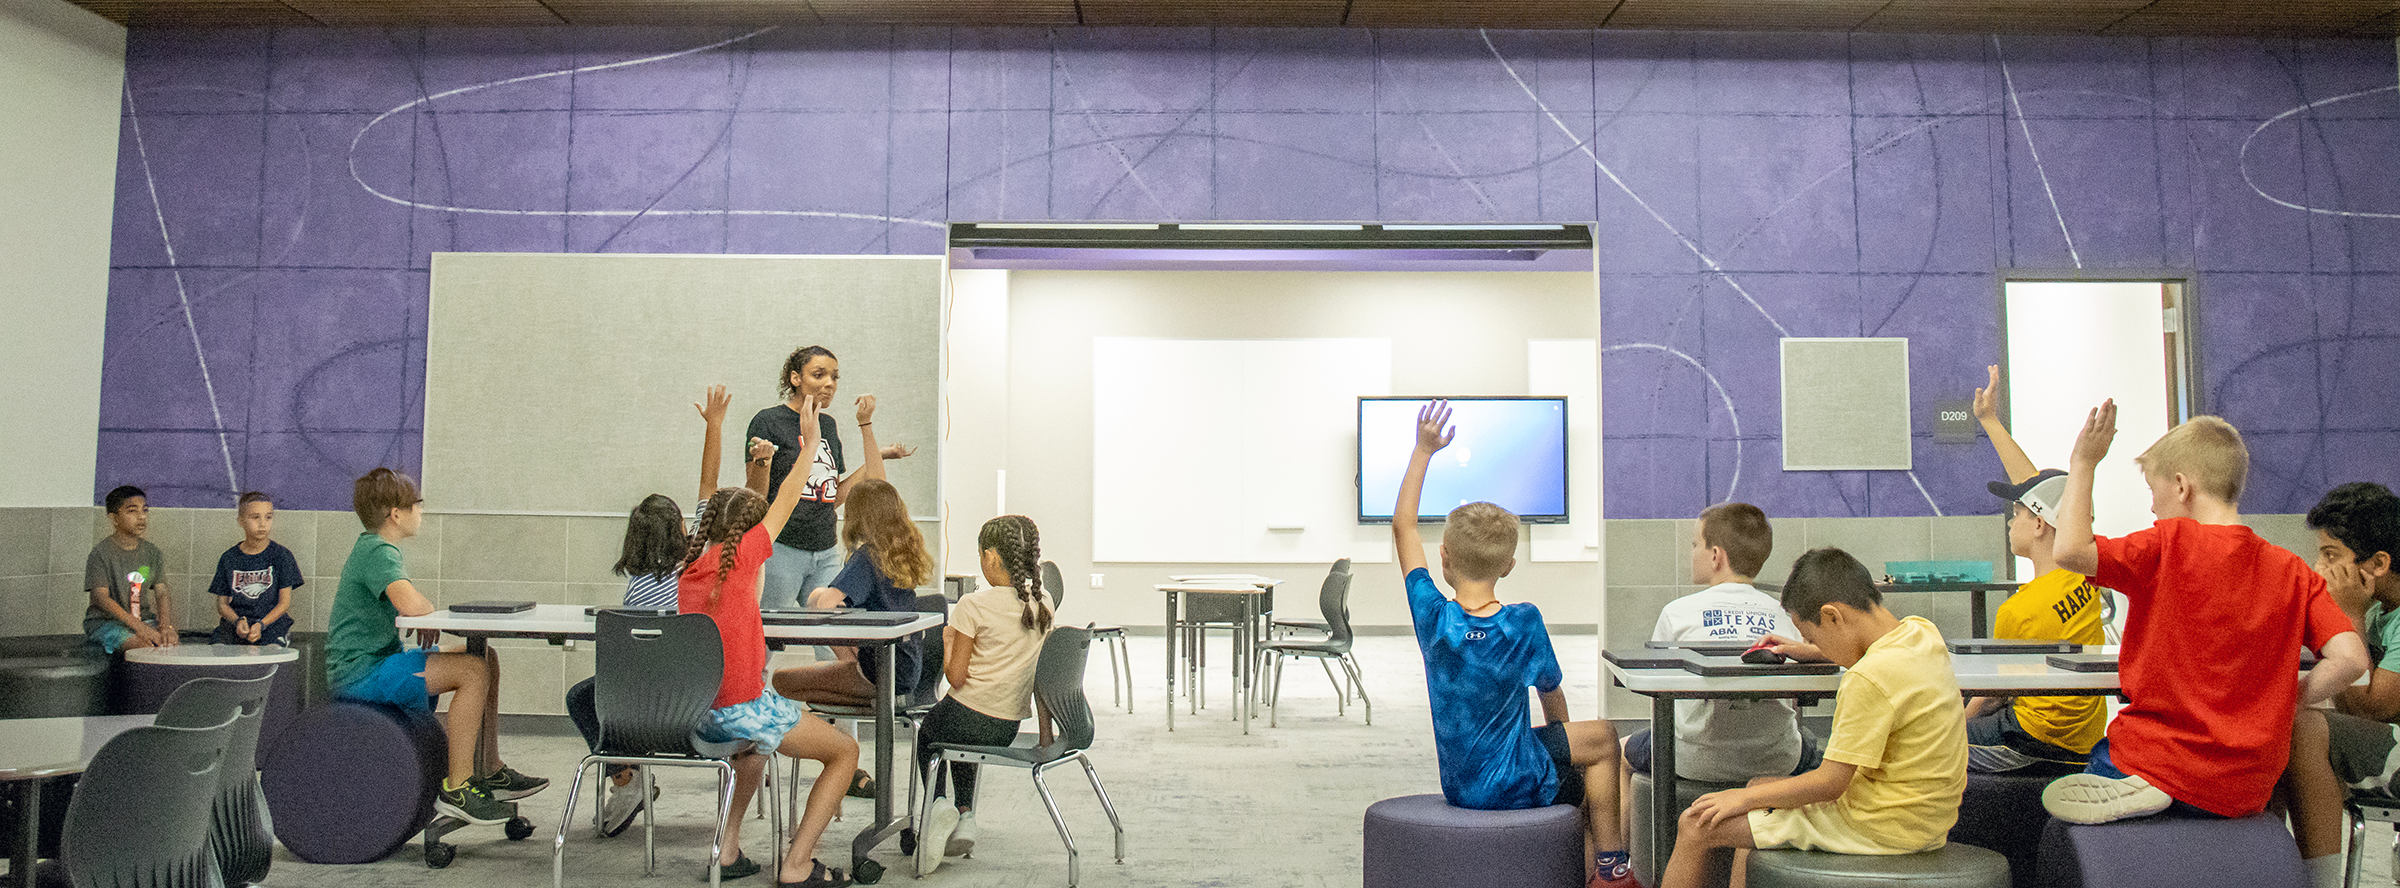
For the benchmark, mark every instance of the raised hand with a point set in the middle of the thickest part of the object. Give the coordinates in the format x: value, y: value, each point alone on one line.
x: 713, y: 410
x: 2099, y: 430
x: 898, y: 451
x: 1987, y: 398
x: 866, y: 409
x: 1433, y: 431
x: 760, y: 449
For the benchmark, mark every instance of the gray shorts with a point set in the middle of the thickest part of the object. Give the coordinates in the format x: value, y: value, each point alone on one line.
x: 2363, y: 752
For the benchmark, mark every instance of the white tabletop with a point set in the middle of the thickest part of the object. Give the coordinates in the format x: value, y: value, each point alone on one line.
x: 1225, y: 579
x: 569, y: 621
x: 1216, y: 588
x: 48, y: 747
x: 212, y: 655
x: 1995, y: 674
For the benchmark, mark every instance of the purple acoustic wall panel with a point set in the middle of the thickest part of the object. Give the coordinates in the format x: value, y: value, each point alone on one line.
x: 281, y: 190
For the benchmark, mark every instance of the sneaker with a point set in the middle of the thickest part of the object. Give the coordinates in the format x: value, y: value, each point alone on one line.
x: 623, y: 802
x: 935, y: 839
x: 962, y: 839
x: 473, y: 805
x: 2091, y: 798
x: 508, y: 785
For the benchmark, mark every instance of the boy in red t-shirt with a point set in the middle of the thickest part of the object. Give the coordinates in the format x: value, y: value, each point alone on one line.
x: 2217, y: 616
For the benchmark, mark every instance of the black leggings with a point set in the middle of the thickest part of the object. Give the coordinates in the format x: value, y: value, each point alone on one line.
x: 952, y: 722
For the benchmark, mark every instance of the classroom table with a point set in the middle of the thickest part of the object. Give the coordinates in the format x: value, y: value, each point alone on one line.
x: 1251, y: 589
x: 560, y: 623
x: 1976, y: 618
x: 1981, y: 675
x: 34, y: 750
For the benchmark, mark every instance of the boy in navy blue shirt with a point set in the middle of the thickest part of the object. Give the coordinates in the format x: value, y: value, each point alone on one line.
x: 1480, y: 655
x: 255, y: 579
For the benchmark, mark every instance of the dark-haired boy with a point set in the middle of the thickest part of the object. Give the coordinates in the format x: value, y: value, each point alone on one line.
x: 2352, y: 748
x: 1896, y: 763
x: 2214, y: 616
x: 1481, y: 655
x: 255, y: 579
x: 1729, y: 741
x: 126, y: 576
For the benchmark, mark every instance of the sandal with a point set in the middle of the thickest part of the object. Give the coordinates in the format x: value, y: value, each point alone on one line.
x: 742, y: 867
x: 819, y: 876
x: 861, y: 786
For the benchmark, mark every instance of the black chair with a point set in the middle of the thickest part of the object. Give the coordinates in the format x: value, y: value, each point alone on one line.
x: 243, y: 848
x: 1334, y: 600
x: 1058, y: 688
x: 141, y: 814
x: 2364, y: 810
x: 1285, y: 628
x: 1113, y: 635
x: 912, y: 706
x: 655, y: 677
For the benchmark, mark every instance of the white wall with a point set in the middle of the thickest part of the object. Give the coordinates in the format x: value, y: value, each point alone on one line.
x: 1451, y: 333
x: 62, y: 75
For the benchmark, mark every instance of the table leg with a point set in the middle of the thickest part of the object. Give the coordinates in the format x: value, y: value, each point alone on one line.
x: 1663, y: 810
x: 1242, y: 692
x: 883, y: 825
x: 1975, y: 626
x: 1171, y: 661
x: 29, y: 834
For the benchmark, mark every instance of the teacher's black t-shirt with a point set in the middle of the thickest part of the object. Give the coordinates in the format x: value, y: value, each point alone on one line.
x: 812, y: 525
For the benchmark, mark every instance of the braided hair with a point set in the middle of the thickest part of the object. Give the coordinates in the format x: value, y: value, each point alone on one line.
x: 732, y: 511
x: 1020, y: 546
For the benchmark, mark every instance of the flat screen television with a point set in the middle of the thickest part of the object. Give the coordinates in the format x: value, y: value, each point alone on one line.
x: 1511, y: 451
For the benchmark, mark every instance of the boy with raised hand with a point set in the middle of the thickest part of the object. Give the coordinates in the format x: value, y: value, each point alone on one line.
x: 255, y: 579
x: 1480, y: 655
x: 1896, y: 763
x: 2012, y: 734
x: 2351, y: 749
x: 1728, y: 741
x: 126, y: 576
x: 2215, y: 615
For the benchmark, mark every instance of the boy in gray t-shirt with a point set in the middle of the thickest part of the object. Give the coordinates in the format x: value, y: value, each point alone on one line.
x: 114, y: 621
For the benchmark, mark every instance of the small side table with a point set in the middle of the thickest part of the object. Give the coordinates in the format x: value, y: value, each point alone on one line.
x: 150, y: 674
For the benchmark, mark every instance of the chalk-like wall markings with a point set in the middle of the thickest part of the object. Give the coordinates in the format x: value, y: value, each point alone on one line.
x: 2261, y: 191
x: 2009, y: 80
x: 133, y: 118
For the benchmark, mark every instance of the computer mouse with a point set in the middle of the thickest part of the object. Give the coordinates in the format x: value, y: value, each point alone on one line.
x: 1761, y: 654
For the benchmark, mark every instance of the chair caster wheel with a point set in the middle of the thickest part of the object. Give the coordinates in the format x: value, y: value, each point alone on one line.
x: 518, y: 829
x: 439, y: 855
x: 868, y: 872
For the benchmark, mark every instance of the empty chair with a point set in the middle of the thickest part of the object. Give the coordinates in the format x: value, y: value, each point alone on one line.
x: 238, y: 835
x: 1287, y: 627
x: 1334, y: 600
x: 140, y: 817
x: 1114, y: 636
x: 1058, y: 695
x: 654, y: 678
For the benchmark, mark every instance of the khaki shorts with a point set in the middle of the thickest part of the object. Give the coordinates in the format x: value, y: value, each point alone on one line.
x: 1820, y: 827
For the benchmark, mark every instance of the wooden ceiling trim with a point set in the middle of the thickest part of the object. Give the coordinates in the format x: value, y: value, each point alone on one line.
x: 1221, y: 13
x: 946, y: 12
x: 481, y: 13
x: 199, y: 13
x: 1744, y: 15
x: 684, y: 12
x: 1527, y: 14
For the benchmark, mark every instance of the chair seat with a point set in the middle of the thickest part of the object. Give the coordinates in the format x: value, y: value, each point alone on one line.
x: 1100, y: 629
x: 1316, y: 625
x: 1327, y: 647
x: 1027, y: 749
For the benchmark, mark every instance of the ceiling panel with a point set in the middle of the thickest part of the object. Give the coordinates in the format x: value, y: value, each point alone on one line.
x: 2322, y: 18
x: 683, y: 12
x: 1744, y: 15
x: 198, y: 13
x: 1462, y: 14
x: 1991, y: 17
x: 946, y: 12
x: 1227, y: 13
x: 490, y: 13
x: 2385, y: 25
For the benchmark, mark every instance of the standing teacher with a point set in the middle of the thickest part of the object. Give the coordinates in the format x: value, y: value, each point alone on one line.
x: 807, y: 552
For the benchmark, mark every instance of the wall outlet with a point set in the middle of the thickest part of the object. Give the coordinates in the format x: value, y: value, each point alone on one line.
x: 1099, y: 581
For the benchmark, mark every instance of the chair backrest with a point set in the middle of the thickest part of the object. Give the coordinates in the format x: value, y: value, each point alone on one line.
x: 1058, y: 683
x: 238, y: 836
x: 1054, y: 584
x: 654, y: 677
x: 1334, y: 600
x: 140, y: 815
x: 929, y: 670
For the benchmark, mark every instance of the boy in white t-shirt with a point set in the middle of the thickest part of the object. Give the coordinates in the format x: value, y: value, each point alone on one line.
x: 1728, y: 741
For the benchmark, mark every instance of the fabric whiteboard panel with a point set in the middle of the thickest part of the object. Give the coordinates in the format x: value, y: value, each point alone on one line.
x: 564, y: 383
x: 1845, y: 404
x: 1233, y: 451
x: 1571, y: 367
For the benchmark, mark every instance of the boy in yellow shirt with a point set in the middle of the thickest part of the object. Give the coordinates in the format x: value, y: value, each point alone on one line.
x: 2054, y: 733
x: 1897, y: 761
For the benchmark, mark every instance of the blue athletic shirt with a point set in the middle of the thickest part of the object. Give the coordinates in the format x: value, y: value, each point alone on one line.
x: 1476, y: 672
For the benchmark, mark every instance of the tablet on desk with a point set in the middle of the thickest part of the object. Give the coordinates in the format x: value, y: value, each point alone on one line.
x: 2084, y: 662
x: 872, y: 618
x: 1645, y: 658
x: 2012, y: 646
x: 1704, y: 648
x: 491, y: 608
x: 793, y: 618
x: 595, y: 610
x: 1713, y: 666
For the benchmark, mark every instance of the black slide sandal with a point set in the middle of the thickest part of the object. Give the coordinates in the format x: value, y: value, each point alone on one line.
x: 861, y: 786
x: 819, y: 876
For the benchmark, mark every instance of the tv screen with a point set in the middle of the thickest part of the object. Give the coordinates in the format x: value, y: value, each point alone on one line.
x: 1510, y: 451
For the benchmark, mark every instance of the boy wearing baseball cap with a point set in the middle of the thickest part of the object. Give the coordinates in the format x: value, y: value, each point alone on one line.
x: 2035, y: 733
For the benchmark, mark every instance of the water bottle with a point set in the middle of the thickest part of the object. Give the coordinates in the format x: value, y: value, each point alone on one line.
x: 134, y: 601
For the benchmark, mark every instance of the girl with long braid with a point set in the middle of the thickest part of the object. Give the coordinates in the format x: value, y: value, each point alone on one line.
x: 990, y: 648
x: 720, y: 578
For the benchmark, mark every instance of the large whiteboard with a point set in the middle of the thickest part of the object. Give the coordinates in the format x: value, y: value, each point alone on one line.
x: 564, y: 383
x: 1229, y: 451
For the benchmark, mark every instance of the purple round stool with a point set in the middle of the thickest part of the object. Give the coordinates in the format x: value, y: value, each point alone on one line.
x: 352, y: 782
x: 1420, y: 841
x: 148, y: 675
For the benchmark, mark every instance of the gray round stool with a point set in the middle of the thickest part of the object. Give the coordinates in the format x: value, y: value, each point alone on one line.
x: 1421, y: 841
x: 53, y: 687
x: 1639, y: 829
x: 1950, y: 866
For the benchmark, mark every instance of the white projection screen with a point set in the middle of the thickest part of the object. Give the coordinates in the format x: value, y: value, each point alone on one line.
x: 564, y: 383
